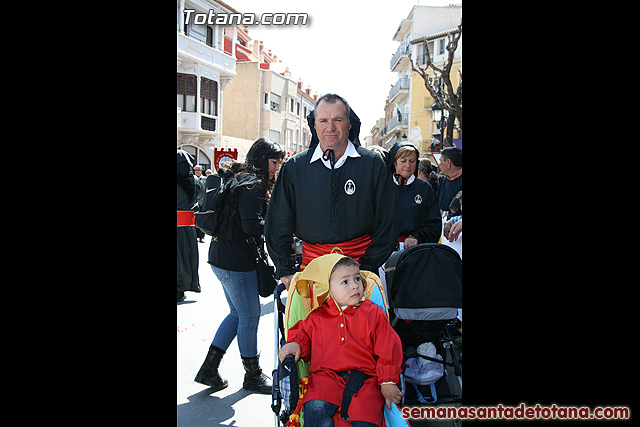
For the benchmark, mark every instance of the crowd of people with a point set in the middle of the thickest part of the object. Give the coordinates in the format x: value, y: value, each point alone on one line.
x: 336, y: 197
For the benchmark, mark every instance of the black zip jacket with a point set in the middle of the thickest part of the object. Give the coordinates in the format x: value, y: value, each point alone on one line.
x: 248, y: 198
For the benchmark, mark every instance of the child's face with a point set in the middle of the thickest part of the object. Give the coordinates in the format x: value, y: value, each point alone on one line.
x: 346, y: 285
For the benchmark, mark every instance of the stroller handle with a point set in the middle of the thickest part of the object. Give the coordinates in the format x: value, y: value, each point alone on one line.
x: 276, y: 397
x: 278, y: 290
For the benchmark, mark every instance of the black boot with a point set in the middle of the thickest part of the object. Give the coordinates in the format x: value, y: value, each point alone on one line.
x: 254, y: 379
x: 208, y: 373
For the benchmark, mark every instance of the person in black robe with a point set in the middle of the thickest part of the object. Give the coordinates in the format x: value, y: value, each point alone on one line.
x: 336, y: 196
x: 187, y: 269
x: 420, y: 217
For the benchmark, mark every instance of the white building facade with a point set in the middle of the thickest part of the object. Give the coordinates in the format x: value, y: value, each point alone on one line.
x: 204, y: 68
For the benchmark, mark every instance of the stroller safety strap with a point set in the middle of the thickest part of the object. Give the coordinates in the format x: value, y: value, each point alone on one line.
x: 355, y: 380
x: 422, y: 399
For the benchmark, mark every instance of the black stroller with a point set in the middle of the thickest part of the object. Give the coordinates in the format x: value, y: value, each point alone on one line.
x: 424, y: 286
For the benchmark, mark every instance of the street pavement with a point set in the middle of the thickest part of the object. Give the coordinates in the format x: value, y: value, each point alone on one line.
x: 198, y: 319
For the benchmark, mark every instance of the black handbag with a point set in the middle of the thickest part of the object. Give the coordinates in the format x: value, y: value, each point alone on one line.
x: 264, y: 270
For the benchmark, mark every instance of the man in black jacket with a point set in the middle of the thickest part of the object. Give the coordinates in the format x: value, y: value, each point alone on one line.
x: 335, y: 196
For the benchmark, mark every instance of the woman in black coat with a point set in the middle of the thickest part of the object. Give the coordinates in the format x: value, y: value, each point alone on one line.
x: 233, y: 262
x: 420, y: 220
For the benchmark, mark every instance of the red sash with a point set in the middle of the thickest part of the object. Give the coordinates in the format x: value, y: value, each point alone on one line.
x: 352, y: 248
x: 186, y: 218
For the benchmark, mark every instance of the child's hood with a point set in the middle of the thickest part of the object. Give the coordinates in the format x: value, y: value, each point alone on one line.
x: 313, y: 281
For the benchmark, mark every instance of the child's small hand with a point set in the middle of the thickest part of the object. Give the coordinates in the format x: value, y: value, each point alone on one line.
x: 391, y: 393
x: 290, y: 348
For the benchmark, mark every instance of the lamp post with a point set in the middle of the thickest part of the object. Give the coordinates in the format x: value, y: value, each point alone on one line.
x: 437, y: 116
x: 440, y: 115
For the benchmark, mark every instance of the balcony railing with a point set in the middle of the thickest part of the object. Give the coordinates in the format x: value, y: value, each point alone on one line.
x: 395, y: 121
x: 404, y: 49
x: 208, y: 123
x: 197, y: 51
x: 401, y: 84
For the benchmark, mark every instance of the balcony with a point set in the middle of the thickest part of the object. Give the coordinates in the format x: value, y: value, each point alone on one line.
x: 291, y: 117
x: 208, y: 122
x: 196, y: 123
x: 395, y: 122
x: 196, y: 52
x: 400, y: 59
x: 399, y: 90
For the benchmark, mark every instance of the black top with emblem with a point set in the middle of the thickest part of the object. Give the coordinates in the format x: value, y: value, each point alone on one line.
x: 320, y: 205
x: 419, y: 211
x: 420, y: 215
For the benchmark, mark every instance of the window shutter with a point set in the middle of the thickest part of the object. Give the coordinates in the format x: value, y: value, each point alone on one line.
x: 191, y: 85
x: 180, y: 83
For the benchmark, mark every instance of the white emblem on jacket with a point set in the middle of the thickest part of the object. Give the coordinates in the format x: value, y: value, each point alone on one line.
x: 349, y: 187
x: 418, y: 199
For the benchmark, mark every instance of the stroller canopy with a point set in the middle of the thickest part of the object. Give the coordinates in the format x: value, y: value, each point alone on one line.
x: 424, y: 276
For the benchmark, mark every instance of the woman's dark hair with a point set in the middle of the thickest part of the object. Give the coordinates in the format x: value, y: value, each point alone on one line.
x: 257, y: 162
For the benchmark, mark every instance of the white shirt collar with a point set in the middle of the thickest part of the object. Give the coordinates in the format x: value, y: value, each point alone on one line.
x: 409, y: 181
x: 350, y: 152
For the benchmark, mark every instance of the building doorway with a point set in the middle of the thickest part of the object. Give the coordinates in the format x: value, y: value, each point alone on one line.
x: 200, y: 157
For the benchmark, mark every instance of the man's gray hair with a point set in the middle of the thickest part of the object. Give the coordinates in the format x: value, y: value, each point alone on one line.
x: 331, y: 98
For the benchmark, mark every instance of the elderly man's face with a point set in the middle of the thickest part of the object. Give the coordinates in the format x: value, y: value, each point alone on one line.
x: 332, y: 126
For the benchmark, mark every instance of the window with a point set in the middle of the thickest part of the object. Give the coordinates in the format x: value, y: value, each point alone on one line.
x: 209, y: 36
x: 420, y: 54
x: 187, y: 25
x: 187, y: 84
x: 432, y: 51
x: 291, y: 105
x: 274, y: 136
x: 275, y: 103
x: 443, y: 42
x: 209, y: 97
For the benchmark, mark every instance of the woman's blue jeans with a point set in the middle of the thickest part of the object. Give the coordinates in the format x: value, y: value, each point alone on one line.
x: 241, y: 290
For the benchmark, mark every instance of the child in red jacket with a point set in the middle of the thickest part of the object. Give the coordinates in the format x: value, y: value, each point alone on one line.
x: 346, y: 336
